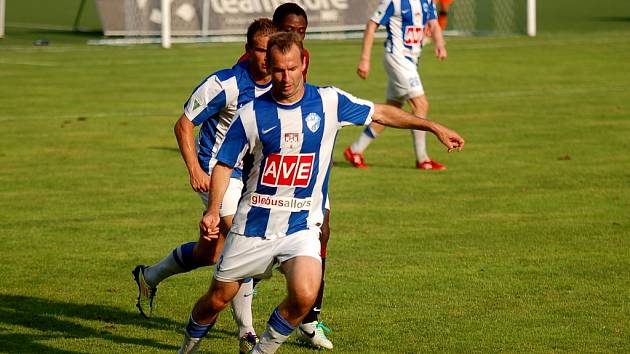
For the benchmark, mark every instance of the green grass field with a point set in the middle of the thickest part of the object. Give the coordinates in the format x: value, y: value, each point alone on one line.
x: 522, y: 245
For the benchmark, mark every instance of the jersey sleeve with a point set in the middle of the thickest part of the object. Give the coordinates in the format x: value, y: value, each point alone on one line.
x: 234, y: 144
x: 383, y: 12
x: 352, y: 110
x: 207, y: 100
x: 432, y: 12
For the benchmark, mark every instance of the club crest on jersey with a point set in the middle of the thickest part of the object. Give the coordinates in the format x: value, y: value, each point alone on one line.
x: 288, y: 170
x: 291, y: 140
x: 313, y: 121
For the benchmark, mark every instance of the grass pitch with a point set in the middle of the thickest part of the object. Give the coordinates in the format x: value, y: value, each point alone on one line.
x: 520, y: 246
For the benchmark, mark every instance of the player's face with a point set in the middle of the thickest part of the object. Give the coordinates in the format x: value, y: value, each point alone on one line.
x: 257, y: 55
x: 286, y: 74
x: 294, y: 23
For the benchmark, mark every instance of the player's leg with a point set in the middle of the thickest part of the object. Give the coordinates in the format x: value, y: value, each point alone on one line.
x: 300, y: 261
x: 241, y: 258
x: 311, y: 330
x: 182, y: 259
x: 397, y: 90
x: 354, y: 152
x: 205, y: 313
x: 420, y: 107
x: 188, y: 256
x: 303, y: 275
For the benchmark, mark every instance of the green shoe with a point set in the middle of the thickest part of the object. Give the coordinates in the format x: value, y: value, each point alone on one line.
x: 312, y: 333
x: 247, y: 343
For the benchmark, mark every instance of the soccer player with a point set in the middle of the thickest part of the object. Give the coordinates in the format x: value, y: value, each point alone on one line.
x: 288, y: 134
x: 290, y: 17
x: 405, y: 21
x: 213, y: 105
x: 445, y: 6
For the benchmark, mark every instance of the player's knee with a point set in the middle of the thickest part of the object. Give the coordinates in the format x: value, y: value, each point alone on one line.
x: 208, y: 305
x: 217, y: 302
x: 202, y: 257
x: 305, y: 299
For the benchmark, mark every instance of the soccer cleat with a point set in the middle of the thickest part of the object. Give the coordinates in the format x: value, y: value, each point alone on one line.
x: 146, y: 293
x: 312, y: 333
x: 430, y: 165
x: 355, y: 158
x: 247, y: 343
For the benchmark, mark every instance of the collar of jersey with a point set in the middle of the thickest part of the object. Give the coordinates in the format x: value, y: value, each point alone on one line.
x: 294, y: 104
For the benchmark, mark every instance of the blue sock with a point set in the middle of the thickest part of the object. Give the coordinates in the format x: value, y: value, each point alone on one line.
x: 196, y: 330
x: 280, y: 324
x: 183, y: 255
x: 369, y: 132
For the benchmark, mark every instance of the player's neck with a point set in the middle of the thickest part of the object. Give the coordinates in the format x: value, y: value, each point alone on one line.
x: 287, y: 100
x: 260, y: 78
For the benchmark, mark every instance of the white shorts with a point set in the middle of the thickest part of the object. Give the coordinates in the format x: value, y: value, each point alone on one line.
x: 245, y: 257
x: 230, y: 199
x: 404, y: 81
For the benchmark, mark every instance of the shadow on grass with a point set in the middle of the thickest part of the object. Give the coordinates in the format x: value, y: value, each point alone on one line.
x: 56, y: 320
x: 52, y: 35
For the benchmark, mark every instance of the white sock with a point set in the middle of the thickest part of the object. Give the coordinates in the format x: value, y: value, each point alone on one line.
x: 162, y: 270
x: 274, y: 337
x: 269, y: 342
x: 242, y: 308
x: 364, y: 140
x: 190, y: 345
x: 420, y: 145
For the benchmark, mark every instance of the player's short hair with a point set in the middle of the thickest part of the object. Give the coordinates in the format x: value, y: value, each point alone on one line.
x: 284, y: 41
x: 286, y: 9
x: 260, y: 27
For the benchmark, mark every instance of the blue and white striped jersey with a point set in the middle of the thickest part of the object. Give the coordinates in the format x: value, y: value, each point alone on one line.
x: 288, y: 153
x: 405, y: 21
x: 213, y: 104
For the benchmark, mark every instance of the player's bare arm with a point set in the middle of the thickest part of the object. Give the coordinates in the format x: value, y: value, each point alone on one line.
x: 184, y: 131
x: 363, y: 69
x: 397, y: 118
x: 209, y: 225
x: 438, y: 37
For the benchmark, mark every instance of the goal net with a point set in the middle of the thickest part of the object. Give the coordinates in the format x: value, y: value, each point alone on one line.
x: 489, y: 17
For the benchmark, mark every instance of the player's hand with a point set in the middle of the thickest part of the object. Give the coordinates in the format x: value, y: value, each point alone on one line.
x: 450, y: 139
x: 209, y: 226
x: 440, y: 52
x: 363, y: 70
x: 199, y: 180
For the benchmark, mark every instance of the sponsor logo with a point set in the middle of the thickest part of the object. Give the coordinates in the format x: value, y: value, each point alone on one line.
x: 413, y: 35
x: 288, y: 170
x: 313, y: 121
x: 280, y: 203
x: 261, y: 6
